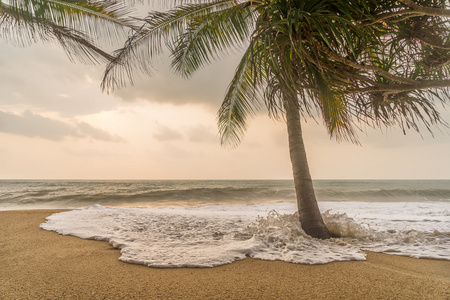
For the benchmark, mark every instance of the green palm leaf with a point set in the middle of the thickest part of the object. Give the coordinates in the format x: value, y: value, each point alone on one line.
x: 242, y: 100
x: 350, y: 62
x: 24, y: 29
x: 146, y: 44
x: 210, y: 37
x: 104, y: 21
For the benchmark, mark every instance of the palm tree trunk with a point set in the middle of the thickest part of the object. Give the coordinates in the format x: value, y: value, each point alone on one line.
x: 310, y: 217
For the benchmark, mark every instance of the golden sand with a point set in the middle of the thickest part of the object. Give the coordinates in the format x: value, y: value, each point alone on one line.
x: 38, y: 264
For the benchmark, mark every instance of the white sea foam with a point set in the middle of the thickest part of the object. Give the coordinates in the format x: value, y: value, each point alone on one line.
x: 420, y: 230
x: 214, y: 235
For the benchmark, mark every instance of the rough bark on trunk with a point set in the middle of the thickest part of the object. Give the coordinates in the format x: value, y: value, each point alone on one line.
x: 308, y: 209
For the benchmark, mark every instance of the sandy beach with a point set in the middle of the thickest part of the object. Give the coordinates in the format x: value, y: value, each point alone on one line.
x: 38, y: 264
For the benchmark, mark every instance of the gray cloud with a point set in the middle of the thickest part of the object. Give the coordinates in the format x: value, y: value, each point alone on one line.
x: 33, y: 125
x: 207, y: 87
x: 165, y: 134
x: 43, y: 79
x: 61, y: 86
x: 203, y: 134
x: 196, y: 134
x: 97, y: 133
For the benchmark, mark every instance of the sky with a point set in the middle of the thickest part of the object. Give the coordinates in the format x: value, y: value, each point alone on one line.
x: 56, y: 123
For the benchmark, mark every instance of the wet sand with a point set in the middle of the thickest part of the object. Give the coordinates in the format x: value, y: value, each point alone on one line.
x: 39, y: 264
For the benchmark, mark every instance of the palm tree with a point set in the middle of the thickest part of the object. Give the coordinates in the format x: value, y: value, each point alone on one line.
x: 75, y: 25
x: 375, y: 62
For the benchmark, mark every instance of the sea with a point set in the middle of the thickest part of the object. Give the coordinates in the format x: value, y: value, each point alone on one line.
x: 206, y: 223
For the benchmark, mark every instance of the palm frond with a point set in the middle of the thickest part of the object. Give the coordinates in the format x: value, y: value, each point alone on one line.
x: 106, y: 21
x: 241, y: 101
x: 210, y: 37
x: 145, y: 44
x: 335, y: 111
x: 24, y: 29
x: 407, y: 110
x: 363, y: 61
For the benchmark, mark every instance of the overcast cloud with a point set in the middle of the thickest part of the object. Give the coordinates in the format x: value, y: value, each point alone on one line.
x: 32, y: 125
x: 56, y: 123
x: 29, y: 124
x: 207, y: 87
x: 43, y: 79
x: 165, y: 134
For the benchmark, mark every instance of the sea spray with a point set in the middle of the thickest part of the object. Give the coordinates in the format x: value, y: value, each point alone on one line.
x: 341, y: 225
x: 285, y: 240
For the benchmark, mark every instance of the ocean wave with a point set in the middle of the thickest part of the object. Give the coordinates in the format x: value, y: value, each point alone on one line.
x: 385, y: 195
x: 61, y: 194
x: 130, y: 196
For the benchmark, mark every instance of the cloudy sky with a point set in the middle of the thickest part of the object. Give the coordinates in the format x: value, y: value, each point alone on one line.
x: 55, y: 123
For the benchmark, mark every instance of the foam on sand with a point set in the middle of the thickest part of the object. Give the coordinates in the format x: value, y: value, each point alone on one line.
x: 208, y: 236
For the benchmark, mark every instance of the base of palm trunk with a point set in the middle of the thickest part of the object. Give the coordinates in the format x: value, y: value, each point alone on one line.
x: 315, y: 230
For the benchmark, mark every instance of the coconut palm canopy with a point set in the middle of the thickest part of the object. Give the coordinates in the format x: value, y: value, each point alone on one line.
x: 75, y: 25
x: 378, y: 62
x: 371, y: 62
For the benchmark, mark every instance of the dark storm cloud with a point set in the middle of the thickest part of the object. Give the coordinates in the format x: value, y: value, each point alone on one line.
x: 33, y: 125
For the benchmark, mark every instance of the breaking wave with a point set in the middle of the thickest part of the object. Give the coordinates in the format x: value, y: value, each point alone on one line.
x: 73, y: 194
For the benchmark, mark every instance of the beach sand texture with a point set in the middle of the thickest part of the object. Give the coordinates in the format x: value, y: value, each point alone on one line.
x: 38, y: 264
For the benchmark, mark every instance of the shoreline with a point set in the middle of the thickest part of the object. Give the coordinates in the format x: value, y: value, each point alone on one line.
x: 40, y: 264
